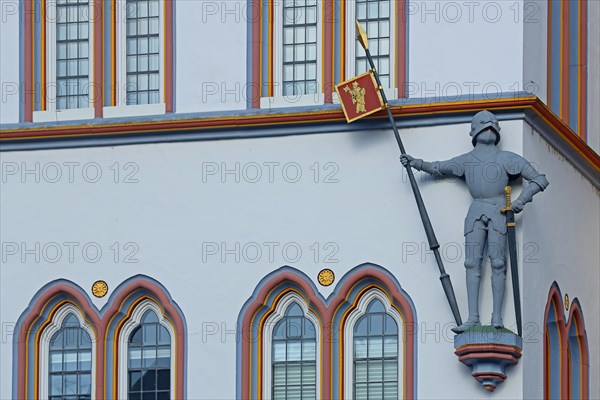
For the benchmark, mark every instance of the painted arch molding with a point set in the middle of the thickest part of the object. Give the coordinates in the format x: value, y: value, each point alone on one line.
x: 334, y: 318
x: 107, y: 327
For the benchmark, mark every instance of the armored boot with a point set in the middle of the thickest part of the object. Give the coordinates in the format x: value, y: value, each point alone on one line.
x: 498, y: 284
x: 473, y: 279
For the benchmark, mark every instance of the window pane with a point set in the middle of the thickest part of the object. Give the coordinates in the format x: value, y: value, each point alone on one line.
x: 70, y: 359
x: 70, y: 384
x: 375, y: 347
x: 85, y: 384
x: 294, y: 357
x: 56, y: 384
x: 300, y: 30
x: 294, y: 350
x: 376, y: 354
x: 135, y: 381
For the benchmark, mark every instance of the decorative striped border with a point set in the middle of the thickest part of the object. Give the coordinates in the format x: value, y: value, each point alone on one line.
x: 333, y: 35
x: 331, y: 312
x: 103, y: 22
x: 565, y: 140
x: 567, y: 62
x: 106, y: 323
x: 575, y: 321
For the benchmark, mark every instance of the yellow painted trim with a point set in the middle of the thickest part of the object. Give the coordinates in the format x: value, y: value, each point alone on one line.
x: 36, y: 349
x: 260, y: 337
x: 341, y: 333
x: 43, y: 49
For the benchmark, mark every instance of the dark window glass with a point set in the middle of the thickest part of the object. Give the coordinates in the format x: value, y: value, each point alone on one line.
x: 294, y: 364
x: 374, y: 16
x: 72, y: 54
x: 376, y: 354
x: 70, y: 365
x: 300, y: 47
x: 143, y: 56
x: 149, y: 360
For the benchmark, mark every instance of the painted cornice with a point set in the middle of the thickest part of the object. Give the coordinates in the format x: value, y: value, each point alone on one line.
x: 301, y: 120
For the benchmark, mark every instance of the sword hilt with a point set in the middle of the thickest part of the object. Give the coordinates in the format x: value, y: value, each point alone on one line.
x: 507, y: 192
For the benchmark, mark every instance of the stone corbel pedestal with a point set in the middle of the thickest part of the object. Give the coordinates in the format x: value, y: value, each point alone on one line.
x: 488, y: 351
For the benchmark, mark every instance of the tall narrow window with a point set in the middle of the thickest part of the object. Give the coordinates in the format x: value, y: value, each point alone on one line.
x: 143, y: 52
x: 294, y: 365
x: 376, y: 354
x: 374, y: 16
x: 70, y: 362
x: 72, y: 54
x: 300, y: 47
x: 149, y: 360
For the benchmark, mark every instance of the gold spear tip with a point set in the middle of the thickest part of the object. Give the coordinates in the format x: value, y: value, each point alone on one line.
x: 361, y: 36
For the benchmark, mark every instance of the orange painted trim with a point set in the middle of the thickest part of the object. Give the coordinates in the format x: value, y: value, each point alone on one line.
x: 401, y: 48
x: 342, y: 19
x: 113, y: 52
x: 265, y: 120
x: 256, y: 14
x: 564, y: 61
x: 169, y: 53
x: 582, y: 80
x: 98, y: 77
x: 549, y: 56
x: 270, y: 48
x: 43, y: 77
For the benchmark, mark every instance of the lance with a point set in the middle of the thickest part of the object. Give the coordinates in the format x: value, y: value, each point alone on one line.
x: 512, y: 247
x: 361, y: 36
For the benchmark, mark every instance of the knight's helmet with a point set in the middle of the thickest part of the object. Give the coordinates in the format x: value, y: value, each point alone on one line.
x: 483, y: 120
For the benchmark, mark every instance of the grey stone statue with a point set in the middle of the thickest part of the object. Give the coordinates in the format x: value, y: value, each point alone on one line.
x: 486, y: 171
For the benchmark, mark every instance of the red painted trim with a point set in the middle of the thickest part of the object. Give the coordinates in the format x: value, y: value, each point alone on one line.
x: 554, y: 297
x: 28, y: 10
x: 405, y: 309
x: 98, y: 21
x: 549, y: 56
x: 401, y: 48
x: 564, y: 69
x: 576, y: 317
x: 169, y: 45
x: 583, y: 48
x: 328, y: 313
x: 255, y: 82
x: 164, y: 301
x: 328, y: 27
x: 532, y: 103
x: 100, y: 325
x: 259, y: 301
x: 35, y: 313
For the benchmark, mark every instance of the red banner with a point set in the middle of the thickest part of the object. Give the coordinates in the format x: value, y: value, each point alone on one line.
x: 359, y: 96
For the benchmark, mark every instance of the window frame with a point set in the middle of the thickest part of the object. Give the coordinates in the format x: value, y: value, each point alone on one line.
x: 267, y: 342
x: 44, y: 348
x: 50, y: 90
x: 348, y: 338
x: 350, y: 60
x: 123, y: 345
x: 121, y: 108
x: 278, y: 99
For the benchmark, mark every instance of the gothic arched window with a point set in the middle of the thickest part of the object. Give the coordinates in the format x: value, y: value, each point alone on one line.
x: 70, y: 362
x: 149, y: 360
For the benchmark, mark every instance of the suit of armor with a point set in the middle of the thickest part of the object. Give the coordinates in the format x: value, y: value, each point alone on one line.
x: 486, y: 171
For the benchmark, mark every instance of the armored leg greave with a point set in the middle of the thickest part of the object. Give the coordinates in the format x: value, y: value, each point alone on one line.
x: 498, y: 284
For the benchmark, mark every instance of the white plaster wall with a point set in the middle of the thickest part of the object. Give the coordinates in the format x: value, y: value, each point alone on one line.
x: 9, y: 62
x: 565, y: 225
x: 210, y: 45
x: 593, y: 128
x: 369, y: 215
x: 535, y: 48
x: 465, y: 48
